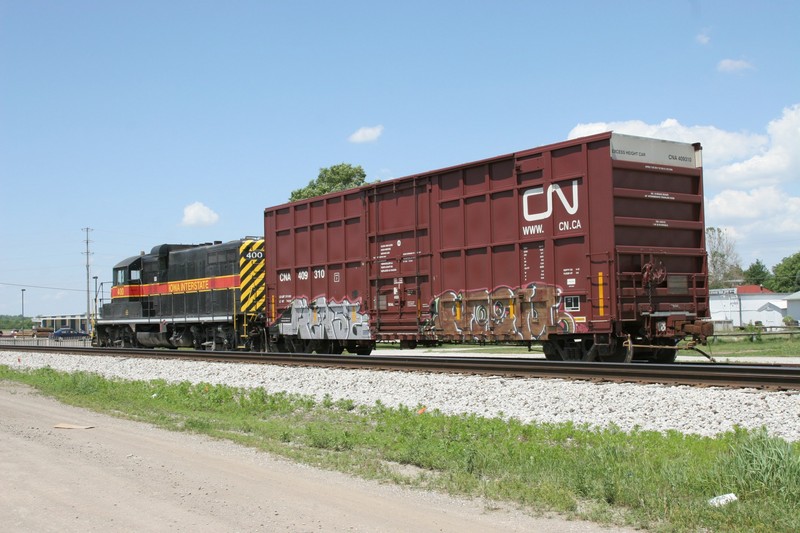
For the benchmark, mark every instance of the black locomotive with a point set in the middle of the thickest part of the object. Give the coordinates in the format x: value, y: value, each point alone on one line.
x: 206, y: 296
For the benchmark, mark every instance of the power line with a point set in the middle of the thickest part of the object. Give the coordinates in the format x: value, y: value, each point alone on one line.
x: 28, y: 286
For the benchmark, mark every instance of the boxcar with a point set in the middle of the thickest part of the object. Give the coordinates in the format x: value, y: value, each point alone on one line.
x: 593, y: 247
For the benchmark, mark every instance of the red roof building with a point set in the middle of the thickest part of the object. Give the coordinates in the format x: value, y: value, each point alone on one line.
x: 752, y: 289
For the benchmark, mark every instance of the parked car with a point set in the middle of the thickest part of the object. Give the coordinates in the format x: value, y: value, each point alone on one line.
x: 68, y: 333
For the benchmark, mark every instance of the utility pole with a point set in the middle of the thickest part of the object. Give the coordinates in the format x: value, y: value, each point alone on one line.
x: 88, y: 253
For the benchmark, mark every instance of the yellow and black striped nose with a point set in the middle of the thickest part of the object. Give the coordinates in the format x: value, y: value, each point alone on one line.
x: 251, y: 275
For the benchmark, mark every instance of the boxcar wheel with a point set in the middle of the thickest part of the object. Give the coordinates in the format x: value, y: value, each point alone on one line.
x: 551, y: 352
x: 665, y: 356
x: 336, y: 348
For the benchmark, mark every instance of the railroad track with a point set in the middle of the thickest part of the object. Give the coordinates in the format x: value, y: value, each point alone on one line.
x: 776, y: 377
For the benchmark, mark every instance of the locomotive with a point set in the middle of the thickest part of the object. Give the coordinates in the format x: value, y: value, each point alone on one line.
x: 204, y: 296
x: 593, y: 247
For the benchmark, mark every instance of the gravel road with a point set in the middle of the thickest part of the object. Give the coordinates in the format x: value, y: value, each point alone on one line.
x: 118, y: 475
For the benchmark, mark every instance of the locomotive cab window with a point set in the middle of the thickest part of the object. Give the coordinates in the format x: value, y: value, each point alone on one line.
x: 122, y: 276
x: 572, y: 303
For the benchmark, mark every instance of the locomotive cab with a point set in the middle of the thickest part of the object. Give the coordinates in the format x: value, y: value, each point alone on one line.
x: 127, y: 274
x: 127, y: 271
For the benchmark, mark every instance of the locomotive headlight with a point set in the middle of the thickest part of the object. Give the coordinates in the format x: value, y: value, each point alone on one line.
x: 661, y: 326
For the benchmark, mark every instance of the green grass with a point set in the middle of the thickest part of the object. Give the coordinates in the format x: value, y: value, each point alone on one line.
x: 661, y: 482
x: 755, y: 345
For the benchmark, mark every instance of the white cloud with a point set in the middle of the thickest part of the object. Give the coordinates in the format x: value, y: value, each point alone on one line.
x: 733, y: 65
x: 764, y: 222
x: 366, y: 134
x: 703, y: 38
x: 732, y: 205
x: 197, y: 214
x: 751, y: 181
x: 776, y: 161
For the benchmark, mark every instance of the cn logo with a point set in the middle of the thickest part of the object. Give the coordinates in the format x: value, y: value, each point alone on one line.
x: 552, y: 189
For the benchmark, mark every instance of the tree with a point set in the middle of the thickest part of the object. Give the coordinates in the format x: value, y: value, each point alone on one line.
x: 723, y: 261
x: 786, y: 275
x: 756, y: 274
x: 335, y: 178
x: 9, y: 322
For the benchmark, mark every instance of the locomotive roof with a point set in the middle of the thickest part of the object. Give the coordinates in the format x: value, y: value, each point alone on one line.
x: 127, y: 262
x: 165, y: 249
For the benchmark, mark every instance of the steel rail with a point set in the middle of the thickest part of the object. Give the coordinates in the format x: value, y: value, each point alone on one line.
x: 778, y: 377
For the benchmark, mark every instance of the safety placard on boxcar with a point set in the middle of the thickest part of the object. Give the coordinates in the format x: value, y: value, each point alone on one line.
x: 653, y: 151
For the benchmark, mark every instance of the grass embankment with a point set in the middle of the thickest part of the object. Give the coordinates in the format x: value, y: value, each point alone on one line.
x: 755, y: 344
x: 657, y: 481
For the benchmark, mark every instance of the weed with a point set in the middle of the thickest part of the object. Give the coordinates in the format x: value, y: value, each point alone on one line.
x: 757, y: 465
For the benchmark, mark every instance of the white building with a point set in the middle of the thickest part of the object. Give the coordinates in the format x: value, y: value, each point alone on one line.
x: 793, y: 306
x: 748, y: 305
x: 76, y: 322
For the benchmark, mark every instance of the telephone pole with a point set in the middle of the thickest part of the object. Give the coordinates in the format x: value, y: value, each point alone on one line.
x: 88, y: 253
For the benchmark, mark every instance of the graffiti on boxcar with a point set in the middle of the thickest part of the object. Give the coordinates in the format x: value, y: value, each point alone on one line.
x: 326, y: 319
x: 503, y: 314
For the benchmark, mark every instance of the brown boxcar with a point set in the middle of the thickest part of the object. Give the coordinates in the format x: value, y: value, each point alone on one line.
x: 593, y: 247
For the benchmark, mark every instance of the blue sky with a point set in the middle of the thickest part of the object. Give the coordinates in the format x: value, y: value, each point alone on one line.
x: 155, y: 121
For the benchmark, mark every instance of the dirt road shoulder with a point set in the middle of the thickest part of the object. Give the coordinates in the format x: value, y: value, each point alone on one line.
x: 102, y: 472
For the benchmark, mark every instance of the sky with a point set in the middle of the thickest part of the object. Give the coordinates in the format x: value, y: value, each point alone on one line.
x: 180, y: 121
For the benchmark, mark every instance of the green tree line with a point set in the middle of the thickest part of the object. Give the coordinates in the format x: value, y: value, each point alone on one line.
x: 9, y: 322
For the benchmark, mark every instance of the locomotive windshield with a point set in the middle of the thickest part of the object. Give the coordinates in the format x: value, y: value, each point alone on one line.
x: 128, y: 270
x: 123, y: 276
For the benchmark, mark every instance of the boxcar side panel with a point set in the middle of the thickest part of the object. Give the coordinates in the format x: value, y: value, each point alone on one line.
x: 316, y: 282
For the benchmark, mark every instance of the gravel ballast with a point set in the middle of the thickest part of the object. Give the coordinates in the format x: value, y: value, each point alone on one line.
x: 692, y: 410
